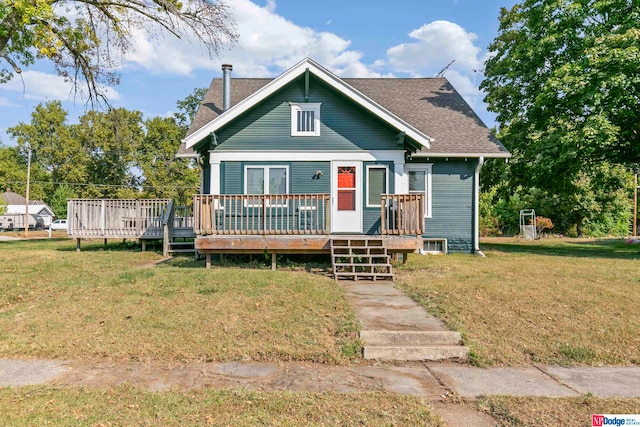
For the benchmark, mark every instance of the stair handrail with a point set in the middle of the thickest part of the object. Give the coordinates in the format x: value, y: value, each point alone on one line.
x: 167, y: 228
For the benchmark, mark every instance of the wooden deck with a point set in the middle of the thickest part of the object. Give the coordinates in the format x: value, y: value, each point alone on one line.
x: 242, y: 224
x: 141, y: 219
x: 284, y: 244
x: 316, y: 244
x: 116, y: 218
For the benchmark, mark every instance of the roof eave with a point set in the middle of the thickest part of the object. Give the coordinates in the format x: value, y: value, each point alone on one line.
x: 501, y: 155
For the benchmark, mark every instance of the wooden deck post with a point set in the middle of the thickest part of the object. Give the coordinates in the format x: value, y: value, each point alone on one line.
x: 78, y: 244
x: 105, y: 243
x: 273, y: 261
x: 327, y: 214
x: 143, y: 244
x: 165, y: 241
x: 207, y: 262
x: 405, y: 258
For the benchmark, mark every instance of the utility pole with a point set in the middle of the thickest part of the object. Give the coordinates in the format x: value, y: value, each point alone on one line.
x: 635, y: 204
x: 26, y: 207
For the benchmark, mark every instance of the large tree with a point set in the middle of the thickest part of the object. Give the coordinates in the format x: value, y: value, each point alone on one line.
x: 53, y: 146
x: 188, y: 107
x: 112, y: 140
x: 86, y: 39
x: 164, y: 175
x: 565, y: 73
x: 564, y: 81
x: 13, y: 174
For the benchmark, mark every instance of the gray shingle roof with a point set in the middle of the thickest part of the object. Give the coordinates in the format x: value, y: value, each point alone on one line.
x: 431, y: 105
x: 11, y: 198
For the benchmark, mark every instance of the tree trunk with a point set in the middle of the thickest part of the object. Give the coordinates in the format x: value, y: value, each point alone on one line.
x: 579, y: 227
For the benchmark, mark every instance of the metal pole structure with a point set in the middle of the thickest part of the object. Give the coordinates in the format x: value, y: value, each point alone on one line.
x: 635, y: 204
x: 26, y: 207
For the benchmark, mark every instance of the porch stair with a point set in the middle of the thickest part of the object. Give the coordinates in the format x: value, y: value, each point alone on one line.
x: 360, y: 258
x: 413, y: 345
x: 182, y: 241
x: 181, y: 247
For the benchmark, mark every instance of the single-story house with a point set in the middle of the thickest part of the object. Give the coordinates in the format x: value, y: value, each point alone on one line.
x: 16, y: 204
x: 310, y: 153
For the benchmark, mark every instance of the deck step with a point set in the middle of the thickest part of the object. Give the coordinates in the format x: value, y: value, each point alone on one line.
x: 182, y: 247
x: 182, y: 251
x: 410, y: 338
x: 416, y: 353
x: 360, y: 258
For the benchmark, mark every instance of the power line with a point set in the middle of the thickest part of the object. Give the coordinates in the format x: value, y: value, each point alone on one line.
x: 82, y: 184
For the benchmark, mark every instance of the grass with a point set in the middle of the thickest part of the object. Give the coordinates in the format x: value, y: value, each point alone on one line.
x: 58, y: 303
x: 557, y: 301
x: 548, y: 411
x: 127, y: 406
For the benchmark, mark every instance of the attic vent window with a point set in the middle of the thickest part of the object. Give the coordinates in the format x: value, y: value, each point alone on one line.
x: 305, y: 119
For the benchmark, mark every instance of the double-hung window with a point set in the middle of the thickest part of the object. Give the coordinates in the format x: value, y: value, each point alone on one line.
x: 377, y: 184
x: 272, y: 180
x: 420, y: 183
x: 305, y: 119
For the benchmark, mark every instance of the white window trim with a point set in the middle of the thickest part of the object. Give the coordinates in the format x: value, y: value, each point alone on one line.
x: 305, y: 106
x: 265, y: 169
x: 427, y: 168
x: 386, y: 175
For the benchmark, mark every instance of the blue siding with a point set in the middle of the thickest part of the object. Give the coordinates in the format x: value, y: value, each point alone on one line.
x: 344, y: 124
x: 452, y: 203
x: 232, y: 178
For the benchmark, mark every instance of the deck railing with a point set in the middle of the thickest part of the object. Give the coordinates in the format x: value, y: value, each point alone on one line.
x: 241, y: 214
x: 116, y: 218
x: 261, y: 214
x: 183, y: 217
x: 402, y: 214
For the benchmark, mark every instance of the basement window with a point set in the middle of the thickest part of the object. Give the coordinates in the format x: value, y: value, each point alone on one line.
x: 305, y: 119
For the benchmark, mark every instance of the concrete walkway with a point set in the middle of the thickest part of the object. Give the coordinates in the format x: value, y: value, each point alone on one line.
x: 429, y: 380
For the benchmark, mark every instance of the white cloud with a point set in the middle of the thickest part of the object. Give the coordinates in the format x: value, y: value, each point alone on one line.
x: 268, y: 44
x: 438, y: 43
x: 43, y: 86
x: 5, y: 102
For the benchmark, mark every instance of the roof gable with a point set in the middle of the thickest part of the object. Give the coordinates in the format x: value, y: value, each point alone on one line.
x: 431, y: 105
x: 344, y: 125
x: 287, y: 77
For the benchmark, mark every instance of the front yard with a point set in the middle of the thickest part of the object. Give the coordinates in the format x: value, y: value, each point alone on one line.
x: 58, y: 303
x: 556, y: 302
x: 568, y: 302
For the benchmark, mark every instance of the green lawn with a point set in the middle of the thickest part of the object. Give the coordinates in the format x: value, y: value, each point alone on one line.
x: 556, y: 301
x: 127, y: 406
x: 551, y: 411
x: 59, y: 303
x: 569, y: 302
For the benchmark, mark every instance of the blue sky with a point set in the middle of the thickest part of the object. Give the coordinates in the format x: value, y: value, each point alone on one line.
x: 405, y: 38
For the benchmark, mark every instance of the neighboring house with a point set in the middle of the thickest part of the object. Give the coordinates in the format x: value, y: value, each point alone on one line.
x: 16, y: 204
x: 309, y: 153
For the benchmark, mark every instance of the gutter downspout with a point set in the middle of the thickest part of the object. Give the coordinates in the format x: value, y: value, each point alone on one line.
x: 476, y: 208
